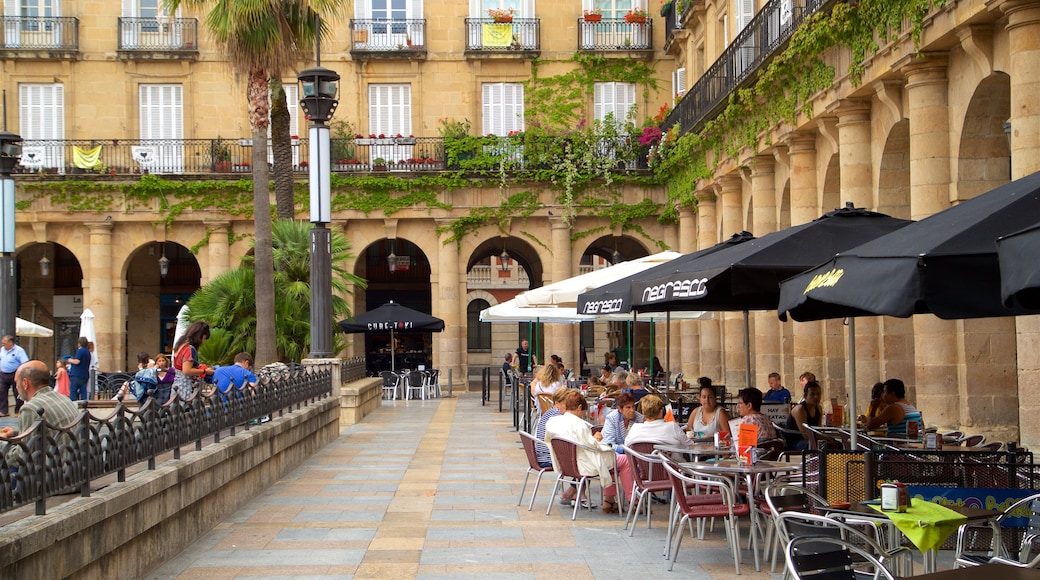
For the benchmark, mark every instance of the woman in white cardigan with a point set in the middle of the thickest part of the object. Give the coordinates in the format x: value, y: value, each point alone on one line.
x: 599, y: 460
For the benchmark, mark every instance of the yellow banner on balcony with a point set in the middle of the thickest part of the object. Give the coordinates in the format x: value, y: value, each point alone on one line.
x: 86, y: 158
x: 497, y: 35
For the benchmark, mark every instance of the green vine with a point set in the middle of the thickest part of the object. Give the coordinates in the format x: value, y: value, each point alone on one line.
x: 785, y: 88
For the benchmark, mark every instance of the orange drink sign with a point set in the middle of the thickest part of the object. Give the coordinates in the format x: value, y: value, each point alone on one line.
x: 747, y: 439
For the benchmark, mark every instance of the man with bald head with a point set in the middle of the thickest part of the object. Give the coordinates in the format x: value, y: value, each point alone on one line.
x: 32, y: 380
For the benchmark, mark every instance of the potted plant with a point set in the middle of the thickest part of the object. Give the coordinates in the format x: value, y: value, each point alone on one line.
x: 379, y: 164
x: 636, y: 16
x: 220, y: 154
x: 501, y: 14
x: 594, y: 15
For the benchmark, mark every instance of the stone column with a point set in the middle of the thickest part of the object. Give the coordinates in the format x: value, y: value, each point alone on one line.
x: 731, y: 190
x: 448, y: 290
x: 118, y: 359
x: 710, y: 330
x: 219, y: 257
x: 560, y: 338
x: 935, y: 343
x: 767, y: 352
x: 808, y: 336
x: 856, y: 176
x: 98, y: 287
x: 686, y: 347
x: 1023, y: 29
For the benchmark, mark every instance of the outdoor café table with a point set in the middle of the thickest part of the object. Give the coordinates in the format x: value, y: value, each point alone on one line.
x: 697, y: 451
x: 735, y: 469
x: 927, y: 525
x: 984, y: 572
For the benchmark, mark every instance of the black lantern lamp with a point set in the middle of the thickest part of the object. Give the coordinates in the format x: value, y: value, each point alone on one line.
x: 319, y: 87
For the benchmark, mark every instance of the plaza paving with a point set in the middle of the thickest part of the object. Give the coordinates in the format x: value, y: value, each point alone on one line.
x: 428, y: 489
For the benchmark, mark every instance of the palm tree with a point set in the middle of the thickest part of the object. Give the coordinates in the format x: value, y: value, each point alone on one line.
x: 261, y: 38
x: 281, y: 147
x: 227, y: 301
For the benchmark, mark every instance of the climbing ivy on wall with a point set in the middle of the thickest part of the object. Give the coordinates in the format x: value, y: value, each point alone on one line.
x: 786, y: 86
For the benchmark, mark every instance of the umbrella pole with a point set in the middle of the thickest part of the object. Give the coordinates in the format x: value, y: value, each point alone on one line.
x: 653, y: 329
x: 747, y: 350
x: 631, y: 339
x: 393, y: 352
x: 667, y: 352
x: 852, y: 382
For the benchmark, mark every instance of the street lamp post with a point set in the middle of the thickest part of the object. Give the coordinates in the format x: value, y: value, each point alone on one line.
x: 10, y: 151
x: 318, y: 86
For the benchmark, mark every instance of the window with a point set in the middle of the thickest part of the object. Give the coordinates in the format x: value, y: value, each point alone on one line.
x: 41, y: 116
x: 615, y: 99
x: 478, y: 333
x: 522, y: 8
x: 503, y: 108
x: 678, y: 84
x: 390, y: 113
x: 392, y: 22
x: 161, y: 110
x: 745, y: 11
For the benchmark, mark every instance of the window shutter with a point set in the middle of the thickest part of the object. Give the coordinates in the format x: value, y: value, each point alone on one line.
x: 161, y: 114
x: 599, y: 97
x: 292, y: 99
x: 41, y: 111
x: 362, y: 9
x: 678, y: 84
x: 786, y: 12
x: 745, y: 10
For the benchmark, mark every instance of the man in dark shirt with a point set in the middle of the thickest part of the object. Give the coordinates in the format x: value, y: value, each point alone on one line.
x: 527, y: 360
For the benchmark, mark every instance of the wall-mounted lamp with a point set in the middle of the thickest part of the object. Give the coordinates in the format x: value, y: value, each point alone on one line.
x: 45, y: 264
x: 1007, y: 132
x: 391, y: 258
x: 164, y: 263
x: 504, y: 261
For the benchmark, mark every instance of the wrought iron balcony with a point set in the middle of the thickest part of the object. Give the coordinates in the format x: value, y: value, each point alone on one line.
x: 159, y: 35
x: 763, y: 38
x: 615, y: 34
x: 521, y: 37
x: 388, y: 38
x: 353, y: 154
x: 56, y: 35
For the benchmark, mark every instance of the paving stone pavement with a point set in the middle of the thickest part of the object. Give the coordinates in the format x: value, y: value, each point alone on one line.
x: 428, y: 489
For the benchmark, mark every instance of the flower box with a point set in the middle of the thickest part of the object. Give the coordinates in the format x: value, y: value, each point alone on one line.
x: 374, y: 141
x: 635, y: 18
x: 404, y: 140
x: 593, y: 18
x: 503, y: 19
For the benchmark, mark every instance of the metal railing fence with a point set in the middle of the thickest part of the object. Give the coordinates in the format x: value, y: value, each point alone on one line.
x: 48, y: 460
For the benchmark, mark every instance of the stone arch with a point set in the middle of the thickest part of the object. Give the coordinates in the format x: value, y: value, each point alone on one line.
x: 407, y: 281
x: 984, y: 161
x: 153, y: 299
x: 830, y: 193
x: 627, y: 248
x: 894, y: 175
x: 54, y: 300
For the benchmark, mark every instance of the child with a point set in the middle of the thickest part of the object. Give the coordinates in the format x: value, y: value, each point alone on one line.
x: 61, y: 377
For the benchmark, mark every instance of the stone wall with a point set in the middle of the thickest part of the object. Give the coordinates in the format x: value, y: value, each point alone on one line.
x: 127, y: 529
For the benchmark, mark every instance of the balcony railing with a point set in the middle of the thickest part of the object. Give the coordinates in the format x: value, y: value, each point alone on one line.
x: 396, y: 154
x: 484, y: 35
x: 615, y: 34
x: 388, y: 37
x: 763, y: 38
x: 159, y: 34
x: 41, y: 33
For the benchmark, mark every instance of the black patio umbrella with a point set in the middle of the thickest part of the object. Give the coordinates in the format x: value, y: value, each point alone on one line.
x: 1019, y: 256
x: 395, y: 319
x: 945, y: 264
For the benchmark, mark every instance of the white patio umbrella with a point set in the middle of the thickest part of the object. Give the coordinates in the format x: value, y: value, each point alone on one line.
x: 510, y: 311
x: 182, y: 323
x: 86, y: 326
x: 24, y: 328
x: 565, y: 292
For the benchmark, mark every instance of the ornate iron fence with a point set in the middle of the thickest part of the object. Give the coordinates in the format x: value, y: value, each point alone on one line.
x: 48, y: 460
x: 159, y: 34
x: 762, y: 39
x: 351, y: 369
x: 40, y: 33
x: 615, y: 34
x: 487, y: 35
x: 404, y: 37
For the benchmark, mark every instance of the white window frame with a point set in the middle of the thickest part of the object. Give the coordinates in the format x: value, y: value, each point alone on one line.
x: 41, y: 117
x: 502, y: 108
x: 161, y: 118
x: 389, y: 114
x: 388, y: 35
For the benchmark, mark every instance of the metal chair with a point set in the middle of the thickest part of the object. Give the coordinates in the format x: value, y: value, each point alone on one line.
x: 696, y: 506
x: 531, y: 444
x: 999, y: 552
x: 415, y: 384
x: 390, y: 382
x: 973, y: 441
x: 432, y: 383
x: 793, y: 524
x: 811, y: 557
x: 648, y: 477
x: 566, y: 453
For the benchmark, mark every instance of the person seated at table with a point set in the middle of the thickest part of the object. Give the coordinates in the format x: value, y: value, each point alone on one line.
x: 594, y: 457
x: 897, y: 412
x: 749, y: 402
x: 507, y: 366
x: 546, y: 380
x: 602, y: 380
x: 807, y: 412
x: 805, y: 378
x: 634, y: 386
x: 542, y: 451
x: 617, y: 383
x: 709, y: 418
x: 876, y: 401
x: 610, y: 360
x: 619, y: 421
x: 653, y: 429
x: 777, y: 392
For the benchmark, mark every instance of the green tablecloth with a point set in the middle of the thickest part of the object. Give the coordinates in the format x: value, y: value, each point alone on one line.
x: 926, y: 524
